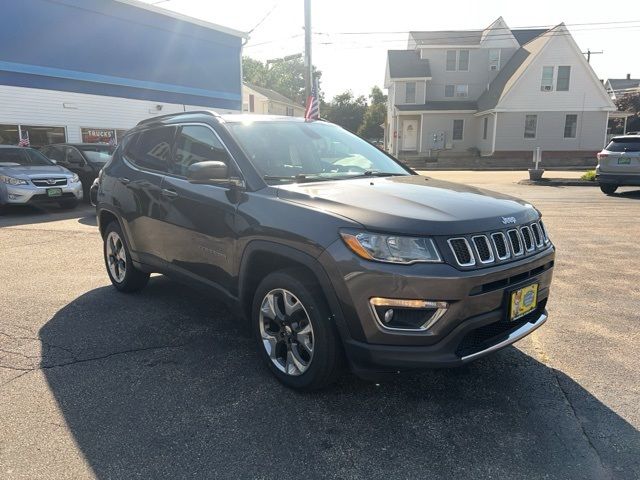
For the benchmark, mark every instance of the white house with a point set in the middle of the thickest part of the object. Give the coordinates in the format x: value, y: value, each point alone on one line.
x: 492, y: 96
x: 622, y: 86
x: 268, y: 102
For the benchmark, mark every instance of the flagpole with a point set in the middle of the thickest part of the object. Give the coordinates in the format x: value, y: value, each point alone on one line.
x: 308, y: 71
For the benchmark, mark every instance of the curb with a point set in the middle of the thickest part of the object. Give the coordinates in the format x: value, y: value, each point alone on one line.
x: 559, y: 182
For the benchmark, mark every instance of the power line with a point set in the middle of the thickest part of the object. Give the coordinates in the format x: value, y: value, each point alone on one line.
x: 264, y: 18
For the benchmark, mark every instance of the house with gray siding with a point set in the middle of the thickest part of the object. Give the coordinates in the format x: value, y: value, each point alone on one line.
x: 492, y: 96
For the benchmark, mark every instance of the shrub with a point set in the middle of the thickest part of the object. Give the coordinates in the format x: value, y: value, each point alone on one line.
x: 589, y: 176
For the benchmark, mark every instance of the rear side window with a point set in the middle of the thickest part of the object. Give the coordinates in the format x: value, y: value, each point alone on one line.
x: 54, y: 153
x: 197, y: 143
x: 624, y: 145
x: 151, y: 149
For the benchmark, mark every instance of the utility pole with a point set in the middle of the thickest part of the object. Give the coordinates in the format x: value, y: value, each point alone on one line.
x: 308, y: 70
x: 588, y: 53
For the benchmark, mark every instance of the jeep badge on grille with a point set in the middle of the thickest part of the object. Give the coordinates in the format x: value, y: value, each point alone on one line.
x: 508, y: 220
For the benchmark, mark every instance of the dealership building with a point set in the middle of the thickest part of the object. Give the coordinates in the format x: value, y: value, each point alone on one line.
x: 88, y: 70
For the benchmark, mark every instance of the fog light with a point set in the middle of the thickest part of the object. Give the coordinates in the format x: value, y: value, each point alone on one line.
x: 13, y: 197
x: 407, y: 315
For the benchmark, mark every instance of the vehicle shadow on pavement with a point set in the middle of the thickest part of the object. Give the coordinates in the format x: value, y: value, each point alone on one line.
x: 166, y: 384
x: 12, y: 216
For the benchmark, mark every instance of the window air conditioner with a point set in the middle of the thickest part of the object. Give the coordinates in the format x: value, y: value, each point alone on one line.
x: 547, y: 88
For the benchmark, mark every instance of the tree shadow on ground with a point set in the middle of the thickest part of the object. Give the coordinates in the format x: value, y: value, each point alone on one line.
x: 165, y: 384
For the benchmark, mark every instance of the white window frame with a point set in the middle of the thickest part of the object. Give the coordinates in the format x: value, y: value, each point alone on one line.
x: 461, y: 92
x: 535, y: 126
x: 492, y: 63
x: 564, y: 132
x: 558, y: 89
x: 457, y: 60
x: 547, y: 87
x: 453, y: 130
x: 453, y: 91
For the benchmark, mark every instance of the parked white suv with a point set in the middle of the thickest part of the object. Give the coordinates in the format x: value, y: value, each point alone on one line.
x: 619, y: 164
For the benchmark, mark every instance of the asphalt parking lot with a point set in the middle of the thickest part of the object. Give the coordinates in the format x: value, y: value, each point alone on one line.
x: 165, y: 384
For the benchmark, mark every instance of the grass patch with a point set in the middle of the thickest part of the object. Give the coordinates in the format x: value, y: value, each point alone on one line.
x: 590, y: 176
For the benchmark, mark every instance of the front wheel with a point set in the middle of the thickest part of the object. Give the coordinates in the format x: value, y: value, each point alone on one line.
x: 122, y: 273
x: 294, y: 330
x: 608, y: 188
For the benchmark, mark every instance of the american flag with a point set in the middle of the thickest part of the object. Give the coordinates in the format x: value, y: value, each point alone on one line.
x: 313, y: 107
x: 24, y: 141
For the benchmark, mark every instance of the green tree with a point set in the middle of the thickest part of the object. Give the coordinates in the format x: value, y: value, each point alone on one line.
x: 375, y: 116
x: 346, y: 111
x: 630, y: 103
x: 285, y: 77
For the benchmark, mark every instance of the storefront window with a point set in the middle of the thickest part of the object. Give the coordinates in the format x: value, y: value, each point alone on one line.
x: 9, y: 135
x: 41, y: 136
x: 102, y: 135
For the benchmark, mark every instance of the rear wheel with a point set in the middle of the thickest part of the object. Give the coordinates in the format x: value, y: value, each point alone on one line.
x: 122, y: 273
x: 608, y: 188
x: 294, y: 331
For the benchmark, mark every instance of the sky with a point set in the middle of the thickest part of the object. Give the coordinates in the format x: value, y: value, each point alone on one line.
x: 357, y: 62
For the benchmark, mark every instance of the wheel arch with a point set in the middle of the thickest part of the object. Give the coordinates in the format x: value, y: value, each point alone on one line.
x: 262, y: 257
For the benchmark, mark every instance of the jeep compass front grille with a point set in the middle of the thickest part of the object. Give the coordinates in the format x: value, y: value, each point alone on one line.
x: 497, y: 247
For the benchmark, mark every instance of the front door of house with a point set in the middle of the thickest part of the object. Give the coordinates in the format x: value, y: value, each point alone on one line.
x: 410, y: 135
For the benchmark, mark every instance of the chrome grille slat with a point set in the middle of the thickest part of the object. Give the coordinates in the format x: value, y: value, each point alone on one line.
x: 462, y: 251
x: 500, y: 245
x: 537, y: 234
x: 527, y: 238
x: 483, y: 248
x: 516, y: 242
x: 44, y: 182
x: 544, y: 232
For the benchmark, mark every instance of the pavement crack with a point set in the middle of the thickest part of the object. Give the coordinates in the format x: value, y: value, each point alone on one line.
x: 606, y: 473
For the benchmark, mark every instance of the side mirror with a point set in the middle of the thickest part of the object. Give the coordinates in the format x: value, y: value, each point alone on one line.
x: 208, y: 172
x: 55, y: 162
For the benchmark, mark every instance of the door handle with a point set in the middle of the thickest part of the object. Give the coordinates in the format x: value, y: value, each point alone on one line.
x: 124, y: 180
x: 169, y: 193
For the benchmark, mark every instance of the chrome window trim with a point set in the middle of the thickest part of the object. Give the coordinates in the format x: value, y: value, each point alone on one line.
x: 492, y: 258
x: 506, y: 245
x: 513, y: 252
x: 524, y: 243
x: 473, y: 260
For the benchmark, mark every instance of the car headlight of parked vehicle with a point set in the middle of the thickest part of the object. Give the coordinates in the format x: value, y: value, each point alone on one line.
x: 12, y: 181
x: 392, y: 248
x: 75, y: 178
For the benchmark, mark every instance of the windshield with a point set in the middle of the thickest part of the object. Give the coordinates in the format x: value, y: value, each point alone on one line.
x: 296, y: 151
x: 23, y: 156
x: 624, y: 145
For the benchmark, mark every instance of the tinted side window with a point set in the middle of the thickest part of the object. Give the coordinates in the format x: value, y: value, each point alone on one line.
x: 196, y: 143
x: 74, y: 157
x: 151, y: 149
x: 54, y: 153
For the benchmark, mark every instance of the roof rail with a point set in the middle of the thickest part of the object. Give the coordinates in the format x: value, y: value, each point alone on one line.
x: 176, y: 114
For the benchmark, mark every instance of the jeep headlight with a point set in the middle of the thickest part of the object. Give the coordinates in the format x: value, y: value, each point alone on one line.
x: 75, y: 178
x: 13, y: 181
x: 392, y: 248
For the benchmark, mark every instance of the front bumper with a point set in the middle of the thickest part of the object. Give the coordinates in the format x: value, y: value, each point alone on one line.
x: 474, y: 325
x: 31, y: 194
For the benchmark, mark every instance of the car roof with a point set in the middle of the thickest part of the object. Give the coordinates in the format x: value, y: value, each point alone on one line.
x: 13, y: 146
x: 211, y: 115
x: 624, y: 138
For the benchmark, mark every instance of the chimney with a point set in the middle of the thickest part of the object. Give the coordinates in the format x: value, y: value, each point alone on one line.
x: 628, y: 76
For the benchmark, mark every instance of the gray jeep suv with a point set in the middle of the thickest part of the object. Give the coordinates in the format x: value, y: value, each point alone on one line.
x: 330, y: 249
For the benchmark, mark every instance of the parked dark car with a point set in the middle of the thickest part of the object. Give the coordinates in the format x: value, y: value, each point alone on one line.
x: 329, y: 247
x: 84, y: 159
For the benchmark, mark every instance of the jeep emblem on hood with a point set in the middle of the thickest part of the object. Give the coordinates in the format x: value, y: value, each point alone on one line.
x: 508, y: 220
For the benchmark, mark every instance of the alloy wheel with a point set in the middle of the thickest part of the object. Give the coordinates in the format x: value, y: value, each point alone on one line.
x: 116, y: 257
x: 286, y: 331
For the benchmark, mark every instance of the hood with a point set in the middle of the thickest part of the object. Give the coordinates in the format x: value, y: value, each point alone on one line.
x: 412, y: 204
x: 25, y: 171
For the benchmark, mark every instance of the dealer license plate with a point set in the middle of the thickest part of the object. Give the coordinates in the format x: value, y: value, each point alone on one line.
x: 523, y: 301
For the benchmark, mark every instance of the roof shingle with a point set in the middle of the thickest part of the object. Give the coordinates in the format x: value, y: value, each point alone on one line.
x: 407, y: 64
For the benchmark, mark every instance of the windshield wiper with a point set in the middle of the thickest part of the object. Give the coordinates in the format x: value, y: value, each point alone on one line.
x: 300, y: 177
x: 375, y: 173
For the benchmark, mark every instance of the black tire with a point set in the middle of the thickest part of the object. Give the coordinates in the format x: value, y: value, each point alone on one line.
x: 68, y: 204
x: 327, y: 361
x: 608, y: 188
x: 133, y: 279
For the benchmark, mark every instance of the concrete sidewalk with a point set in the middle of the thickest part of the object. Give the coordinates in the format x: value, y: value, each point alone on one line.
x: 494, y: 177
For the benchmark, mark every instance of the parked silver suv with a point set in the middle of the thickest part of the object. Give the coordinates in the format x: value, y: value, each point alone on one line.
x: 619, y: 164
x: 28, y: 177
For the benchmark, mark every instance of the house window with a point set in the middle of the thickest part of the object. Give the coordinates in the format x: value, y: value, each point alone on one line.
x: 530, y: 126
x: 449, y: 90
x: 458, y: 127
x: 9, y: 135
x: 570, y: 125
x: 451, y: 60
x: 485, y: 127
x: 410, y: 92
x: 463, y: 60
x: 494, y: 59
x: 564, y: 75
x: 457, y: 60
x: 546, y: 84
x: 462, y: 90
